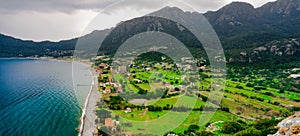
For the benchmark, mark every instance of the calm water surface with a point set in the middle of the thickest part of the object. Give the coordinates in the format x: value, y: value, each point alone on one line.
x: 37, y: 97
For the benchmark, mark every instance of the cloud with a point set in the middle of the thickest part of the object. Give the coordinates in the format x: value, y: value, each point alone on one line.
x: 64, y: 19
x: 45, y: 26
x: 69, y: 6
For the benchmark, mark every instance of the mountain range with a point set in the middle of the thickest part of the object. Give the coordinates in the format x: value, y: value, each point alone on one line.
x: 242, y: 29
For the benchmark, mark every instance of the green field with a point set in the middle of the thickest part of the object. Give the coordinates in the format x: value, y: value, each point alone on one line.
x: 250, y: 95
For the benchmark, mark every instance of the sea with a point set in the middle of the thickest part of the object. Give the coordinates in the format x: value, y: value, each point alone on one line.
x: 41, y: 98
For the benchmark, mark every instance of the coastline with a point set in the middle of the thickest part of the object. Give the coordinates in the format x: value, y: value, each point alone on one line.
x: 88, y: 116
x: 60, y: 73
x: 87, y: 120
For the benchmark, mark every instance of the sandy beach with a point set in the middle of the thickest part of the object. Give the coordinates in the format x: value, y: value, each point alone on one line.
x: 87, y: 120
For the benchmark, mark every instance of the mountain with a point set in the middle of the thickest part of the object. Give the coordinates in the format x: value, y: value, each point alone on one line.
x: 135, y: 26
x: 235, y: 14
x: 240, y: 25
x: 281, y: 8
x: 13, y: 47
x: 241, y: 28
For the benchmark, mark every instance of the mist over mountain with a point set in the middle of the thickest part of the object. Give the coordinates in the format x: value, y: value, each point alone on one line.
x: 241, y: 28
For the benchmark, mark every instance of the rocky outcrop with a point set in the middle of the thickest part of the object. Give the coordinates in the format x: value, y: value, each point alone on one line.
x: 287, y: 47
x: 289, y: 126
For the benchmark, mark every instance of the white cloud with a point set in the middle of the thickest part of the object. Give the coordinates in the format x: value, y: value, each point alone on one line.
x: 45, y: 26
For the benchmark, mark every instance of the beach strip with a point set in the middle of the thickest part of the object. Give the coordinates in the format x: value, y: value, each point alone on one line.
x: 87, y: 120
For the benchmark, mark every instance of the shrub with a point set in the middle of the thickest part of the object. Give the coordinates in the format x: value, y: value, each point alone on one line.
x: 250, y: 85
x: 234, y: 79
x: 276, y: 103
x: 231, y: 127
x: 193, y: 128
x: 239, y: 87
x: 204, y: 98
x: 204, y: 133
x: 266, y: 126
x: 259, y: 88
x: 281, y: 91
x: 226, y: 109
x: 269, y: 93
x: 249, y: 132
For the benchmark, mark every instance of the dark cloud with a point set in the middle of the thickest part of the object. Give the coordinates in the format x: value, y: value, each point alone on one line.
x: 64, y: 19
x: 69, y: 6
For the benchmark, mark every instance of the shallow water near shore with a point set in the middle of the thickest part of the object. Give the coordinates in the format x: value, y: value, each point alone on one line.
x: 37, y: 97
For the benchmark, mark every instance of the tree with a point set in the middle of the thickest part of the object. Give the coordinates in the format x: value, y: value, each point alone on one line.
x: 103, y: 114
x: 239, y: 87
x: 266, y: 126
x: 249, y: 132
x: 204, y: 133
x: 103, y: 131
x: 231, y: 127
x: 281, y: 91
x: 250, y: 85
x: 226, y: 109
x: 117, y: 117
x: 193, y: 128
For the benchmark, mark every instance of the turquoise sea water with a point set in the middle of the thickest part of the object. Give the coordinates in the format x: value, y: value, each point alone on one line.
x: 37, y: 97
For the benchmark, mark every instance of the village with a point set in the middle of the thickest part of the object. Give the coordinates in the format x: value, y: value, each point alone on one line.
x: 132, y: 90
x: 145, y: 91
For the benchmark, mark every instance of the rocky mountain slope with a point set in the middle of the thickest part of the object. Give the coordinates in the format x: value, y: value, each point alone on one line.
x: 289, y: 126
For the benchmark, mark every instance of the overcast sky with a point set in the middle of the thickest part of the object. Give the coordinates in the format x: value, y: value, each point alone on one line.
x: 64, y: 19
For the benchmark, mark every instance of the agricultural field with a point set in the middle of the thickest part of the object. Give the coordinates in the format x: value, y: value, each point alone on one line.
x: 153, y: 93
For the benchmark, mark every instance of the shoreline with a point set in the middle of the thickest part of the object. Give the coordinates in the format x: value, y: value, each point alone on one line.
x: 83, y: 114
x: 88, y: 116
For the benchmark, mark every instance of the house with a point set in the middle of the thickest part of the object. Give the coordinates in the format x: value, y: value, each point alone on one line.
x: 137, y: 81
x: 117, y: 122
x: 172, y: 135
x: 102, y: 85
x: 295, y: 76
x: 202, y: 68
x: 110, y: 79
x: 107, y: 90
x: 187, y: 67
x: 109, y: 123
x: 102, y: 66
x: 106, y: 59
x: 97, y: 58
x: 128, y: 134
x: 128, y: 110
x: 184, y: 59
